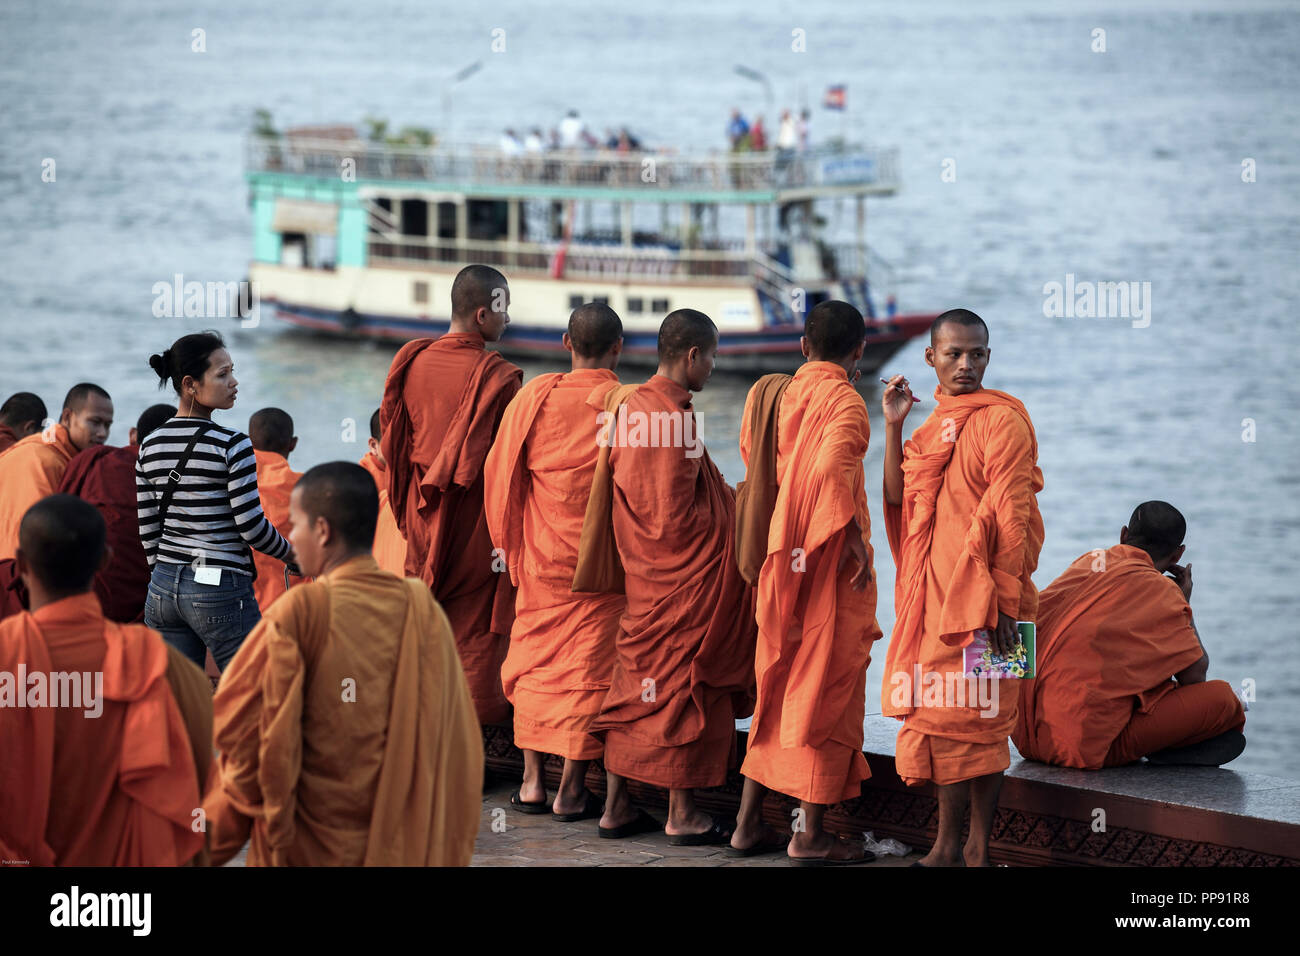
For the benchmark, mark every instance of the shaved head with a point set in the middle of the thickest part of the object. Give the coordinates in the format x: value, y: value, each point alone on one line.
x: 1157, y: 527
x: 62, y: 539
x: 151, y: 418
x: 475, y: 288
x: 23, y: 409
x: 344, y: 495
x: 271, y: 429
x: 78, y: 395
x: 375, y: 431
x: 962, y: 317
x: 834, y: 330
x: 594, y: 329
x: 683, y: 330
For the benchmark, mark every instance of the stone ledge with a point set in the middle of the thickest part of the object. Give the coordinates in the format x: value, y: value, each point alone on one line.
x: 1154, y: 816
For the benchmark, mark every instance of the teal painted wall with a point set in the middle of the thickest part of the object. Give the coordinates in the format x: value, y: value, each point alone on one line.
x: 351, y: 223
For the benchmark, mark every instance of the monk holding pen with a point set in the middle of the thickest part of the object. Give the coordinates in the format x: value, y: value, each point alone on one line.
x: 963, y: 525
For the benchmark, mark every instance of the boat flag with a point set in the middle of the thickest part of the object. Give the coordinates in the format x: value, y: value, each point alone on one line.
x: 836, y: 97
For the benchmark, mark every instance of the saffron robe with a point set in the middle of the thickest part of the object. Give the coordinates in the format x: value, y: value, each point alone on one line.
x: 105, y: 477
x: 443, y: 401
x: 965, y: 541
x: 275, y: 482
x: 684, y: 669
x: 814, y: 631
x: 346, y: 730
x: 1112, y: 630
x: 389, y: 547
x: 117, y: 789
x: 30, y: 470
x: 536, y: 486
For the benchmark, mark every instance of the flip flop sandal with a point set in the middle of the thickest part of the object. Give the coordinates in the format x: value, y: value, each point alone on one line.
x: 644, y: 823
x: 717, y: 835
x: 523, y: 806
x: 591, y: 809
x: 867, y: 857
x: 778, y: 845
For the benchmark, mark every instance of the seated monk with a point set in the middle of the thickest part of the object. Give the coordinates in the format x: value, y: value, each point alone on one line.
x: 816, y: 597
x: 271, y: 432
x: 21, y: 415
x: 535, y: 487
x: 346, y: 729
x: 105, y: 477
x: 684, y: 668
x: 390, y: 546
x: 443, y: 401
x: 1112, y: 632
x: 962, y: 517
x: 32, y: 468
x: 106, y: 759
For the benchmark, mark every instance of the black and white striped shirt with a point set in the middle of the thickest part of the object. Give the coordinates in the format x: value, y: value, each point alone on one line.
x: 215, y: 511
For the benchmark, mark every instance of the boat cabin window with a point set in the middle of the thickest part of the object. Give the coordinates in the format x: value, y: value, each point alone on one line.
x: 420, y: 292
x: 487, y: 218
x: 658, y: 306
x: 415, y: 217
x: 575, y: 301
x: 301, y: 251
x: 635, y: 304
x: 601, y: 300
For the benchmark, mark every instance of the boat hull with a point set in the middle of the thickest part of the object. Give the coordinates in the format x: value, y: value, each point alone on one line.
x: 773, y: 349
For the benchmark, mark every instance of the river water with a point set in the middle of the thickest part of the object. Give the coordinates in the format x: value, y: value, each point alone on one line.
x: 1117, y: 166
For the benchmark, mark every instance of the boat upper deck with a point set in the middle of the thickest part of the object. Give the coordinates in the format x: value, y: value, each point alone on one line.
x: 759, y: 178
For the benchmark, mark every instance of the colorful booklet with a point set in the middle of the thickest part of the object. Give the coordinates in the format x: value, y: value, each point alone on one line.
x: 979, y: 661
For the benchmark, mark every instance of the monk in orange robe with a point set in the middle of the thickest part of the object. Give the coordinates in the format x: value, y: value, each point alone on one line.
x: 816, y: 597
x: 345, y: 725
x: 107, y: 729
x: 963, y: 524
x: 22, y: 414
x: 1112, y: 632
x: 443, y: 401
x: 390, y: 546
x: 684, y: 669
x: 536, y: 486
x: 32, y: 468
x: 105, y: 477
x: 271, y: 432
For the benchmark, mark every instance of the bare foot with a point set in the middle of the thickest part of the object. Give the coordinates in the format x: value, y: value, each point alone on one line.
x: 697, y: 822
x: 570, y: 802
x: 823, y: 846
x: 534, y: 792
x: 746, y: 837
x: 937, y: 858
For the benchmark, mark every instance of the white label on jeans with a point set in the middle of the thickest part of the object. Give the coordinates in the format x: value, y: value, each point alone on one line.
x: 207, y: 576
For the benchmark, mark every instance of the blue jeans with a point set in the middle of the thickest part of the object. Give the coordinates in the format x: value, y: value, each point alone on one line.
x: 197, y: 618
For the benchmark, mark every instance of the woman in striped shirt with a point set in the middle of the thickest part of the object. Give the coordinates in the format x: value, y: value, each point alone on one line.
x: 201, y: 588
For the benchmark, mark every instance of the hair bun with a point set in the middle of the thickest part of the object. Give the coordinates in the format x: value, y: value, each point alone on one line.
x: 159, y: 364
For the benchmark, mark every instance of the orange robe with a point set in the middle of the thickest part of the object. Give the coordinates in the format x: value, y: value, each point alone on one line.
x: 443, y: 401
x: 536, y: 486
x: 390, y: 547
x: 965, y: 541
x: 116, y: 789
x: 1111, y: 632
x: 275, y: 481
x: 814, y: 631
x: 684, y: 669
x: 30, y: 470
x: 105, y: 477
x: 346, y: 731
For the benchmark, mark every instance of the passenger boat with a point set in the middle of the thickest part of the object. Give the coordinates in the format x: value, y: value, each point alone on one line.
x: 360, y: 238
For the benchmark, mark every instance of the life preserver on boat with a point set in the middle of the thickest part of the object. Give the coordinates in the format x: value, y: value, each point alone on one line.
x: 350, y: 319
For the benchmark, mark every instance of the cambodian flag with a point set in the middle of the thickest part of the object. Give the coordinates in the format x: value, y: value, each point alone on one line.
x: 835, y: 97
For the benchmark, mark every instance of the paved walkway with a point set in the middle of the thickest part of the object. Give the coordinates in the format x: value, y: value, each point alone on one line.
x: 538, y: 840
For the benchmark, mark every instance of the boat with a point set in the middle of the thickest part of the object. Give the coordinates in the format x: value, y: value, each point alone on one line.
x: 360, y: 238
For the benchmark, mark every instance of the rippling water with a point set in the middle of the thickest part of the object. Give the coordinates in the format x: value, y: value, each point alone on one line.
x: 1116, y: 166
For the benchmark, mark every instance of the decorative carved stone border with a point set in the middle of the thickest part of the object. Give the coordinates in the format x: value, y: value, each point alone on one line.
x: 1025, y: 831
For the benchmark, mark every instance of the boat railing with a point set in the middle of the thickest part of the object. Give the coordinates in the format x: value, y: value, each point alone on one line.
x: 468, y: 165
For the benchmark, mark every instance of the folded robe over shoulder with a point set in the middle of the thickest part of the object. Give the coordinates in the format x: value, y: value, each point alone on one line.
x: 536, y: 487
x: 30, y: 470
x: 116, y: 789
x: 1112, y: 630
x: 443, y: 401
x: 105, y: 477
x: 390, y: 547
x: 346, y: 731
x: 814, y: 631
x: 275, y: 482
x: 685, y: 651
x: 966, y: 541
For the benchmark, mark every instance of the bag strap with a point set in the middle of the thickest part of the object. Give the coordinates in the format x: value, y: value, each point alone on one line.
x: 174, y: 476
